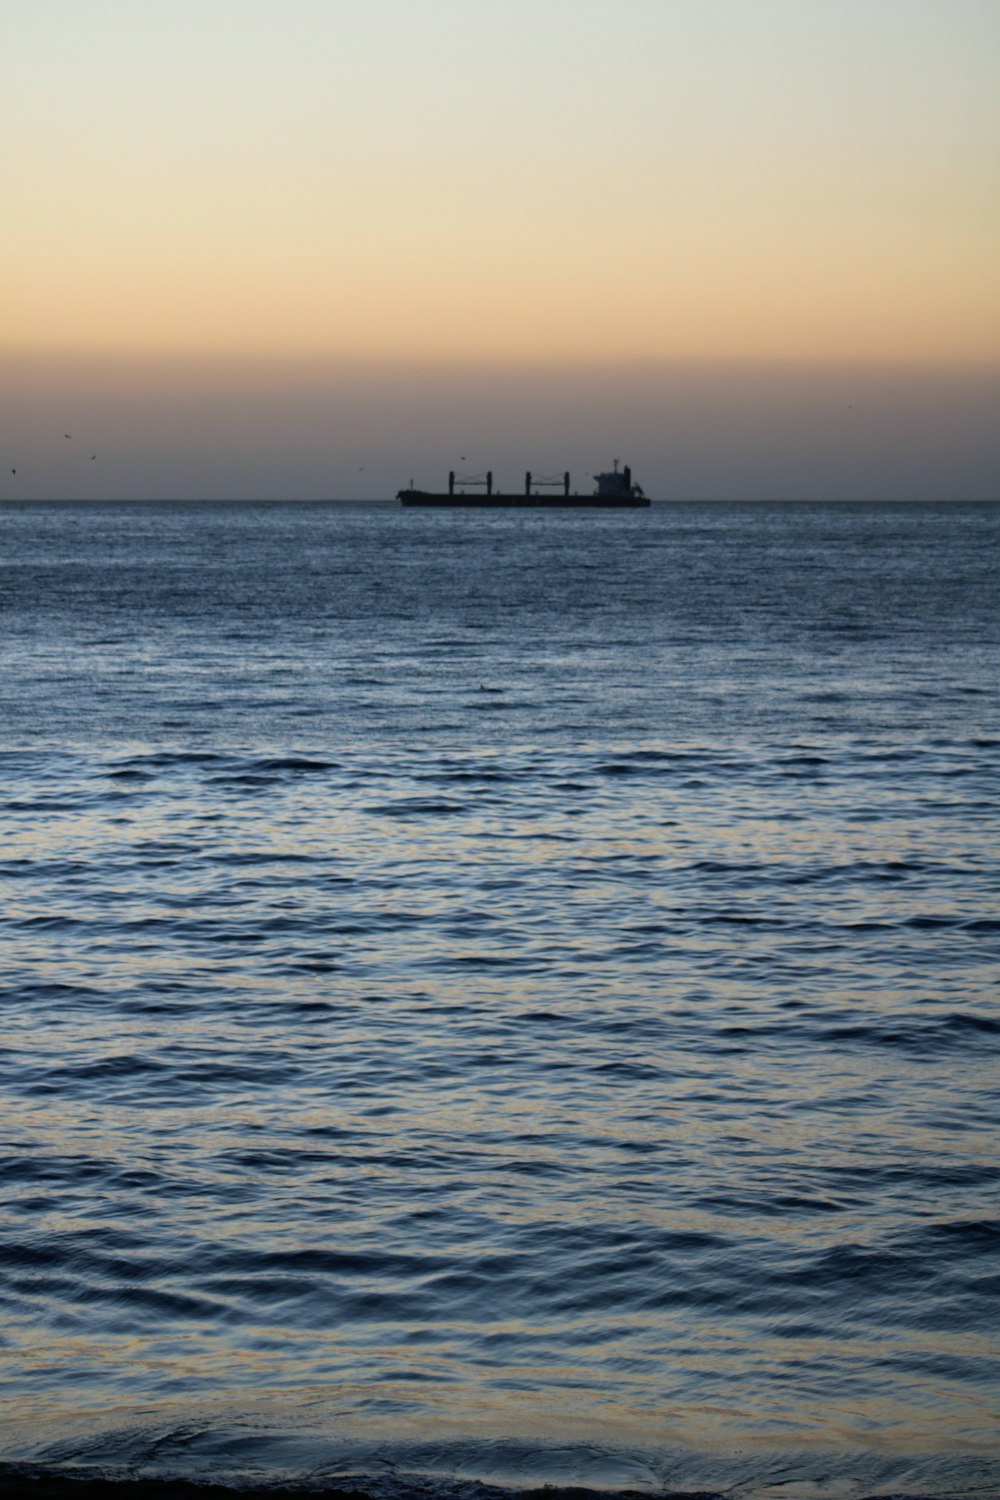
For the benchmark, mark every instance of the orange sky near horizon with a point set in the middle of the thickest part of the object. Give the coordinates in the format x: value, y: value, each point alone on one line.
x: 554, y: 182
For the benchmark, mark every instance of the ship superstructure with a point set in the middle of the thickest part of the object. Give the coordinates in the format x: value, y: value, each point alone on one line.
x: 619, y: 482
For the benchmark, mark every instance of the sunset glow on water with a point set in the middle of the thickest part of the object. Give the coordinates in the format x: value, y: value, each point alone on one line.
x: 501, y: 994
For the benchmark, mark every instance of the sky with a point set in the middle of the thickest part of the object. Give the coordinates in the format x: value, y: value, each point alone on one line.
x: 314, y: 248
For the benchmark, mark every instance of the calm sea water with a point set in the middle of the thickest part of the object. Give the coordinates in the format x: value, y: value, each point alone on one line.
x: 502, y: 996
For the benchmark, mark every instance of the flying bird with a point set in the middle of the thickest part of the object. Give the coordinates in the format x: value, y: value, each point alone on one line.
x: 67, y: 434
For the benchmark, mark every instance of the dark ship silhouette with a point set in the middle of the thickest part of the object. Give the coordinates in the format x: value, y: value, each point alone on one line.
x: 614, y: 489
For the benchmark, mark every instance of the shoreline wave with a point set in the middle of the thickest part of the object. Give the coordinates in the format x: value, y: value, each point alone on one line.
x: 176, y: 1460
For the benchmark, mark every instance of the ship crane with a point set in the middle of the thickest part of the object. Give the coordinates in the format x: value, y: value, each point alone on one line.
x: 551, y: 481
x: 469, y: 479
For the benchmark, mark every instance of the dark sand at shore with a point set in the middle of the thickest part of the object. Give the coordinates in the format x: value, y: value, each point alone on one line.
x: 34, y: 1484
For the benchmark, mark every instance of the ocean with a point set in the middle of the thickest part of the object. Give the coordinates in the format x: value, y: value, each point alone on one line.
x: 501, y: 998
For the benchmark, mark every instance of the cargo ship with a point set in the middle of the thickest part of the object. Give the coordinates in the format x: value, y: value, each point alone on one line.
x: 553, y: 491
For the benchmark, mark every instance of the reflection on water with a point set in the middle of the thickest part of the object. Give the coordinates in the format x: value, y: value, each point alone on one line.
x: 614, y: 1108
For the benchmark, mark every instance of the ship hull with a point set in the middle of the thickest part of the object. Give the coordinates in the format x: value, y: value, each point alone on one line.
x: 523, y: 502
